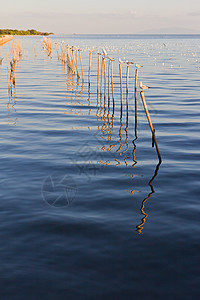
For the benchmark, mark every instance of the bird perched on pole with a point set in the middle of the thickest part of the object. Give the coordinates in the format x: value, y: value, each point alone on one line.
x: 129, y: 62
x: 144, y: 87
x: 138, y: 66
x: 104, y: 51
x: 120, y: 61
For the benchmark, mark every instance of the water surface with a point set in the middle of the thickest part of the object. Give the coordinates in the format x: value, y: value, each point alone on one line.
x: 87, y: 211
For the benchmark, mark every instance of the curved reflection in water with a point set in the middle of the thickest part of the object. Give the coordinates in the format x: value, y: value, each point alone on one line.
x: 140, y: 226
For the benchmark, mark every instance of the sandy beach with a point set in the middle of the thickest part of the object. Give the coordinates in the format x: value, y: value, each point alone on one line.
x: 4, y: 39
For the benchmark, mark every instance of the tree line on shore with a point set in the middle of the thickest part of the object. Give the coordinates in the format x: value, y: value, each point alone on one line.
x: 22, y: 32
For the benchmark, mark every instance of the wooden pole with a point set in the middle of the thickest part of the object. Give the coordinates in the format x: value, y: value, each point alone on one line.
x: 136, y: 114
x: 90, y: 61
x: 120, y: 71
x: 127, y: 75
x: 76, y: 63
x: 136, y: 77
x: 112, y: 81
x: 68, y: 57
x: 109, y: 79
x: 104, y: 62
x: 98, y: 73
x: 150, y: 124
x: 79, y: 50
x: 63, y: 52
x: 72, y: 51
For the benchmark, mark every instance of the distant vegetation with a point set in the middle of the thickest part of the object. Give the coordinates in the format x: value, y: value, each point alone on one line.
x: 22, y: 32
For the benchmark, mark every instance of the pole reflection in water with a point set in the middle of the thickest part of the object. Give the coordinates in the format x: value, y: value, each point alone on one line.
x: 140, y: 226
x: 120, y: 133
x: 126, y: 139
x: 110, y: 135
x: 136, y: 115
x: 134, y: 145
x: 12, y: 98
x: 109, y: 123
x: 98, y: 107
x: 104, y: 126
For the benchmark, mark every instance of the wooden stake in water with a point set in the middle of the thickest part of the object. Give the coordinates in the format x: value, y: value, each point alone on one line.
x: 109, y: 78
x: 90, y: 61
x: 69, y: 64
x: 98, y: 72
x: 136, y: 114
x: 79, y: 50
x: 150, y: 124
x: 63, y: 52
x: 120, y: 71
x: 127, y: 74
x: 104, y: 78
x: 136, y: 77
x: 72, y: 52
x: 112, y: 79
x: 76, y: 64
x: 102, y: 65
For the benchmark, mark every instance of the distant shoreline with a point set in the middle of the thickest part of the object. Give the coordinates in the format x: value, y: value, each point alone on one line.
x: 4, y: 39
x: 28, y: 32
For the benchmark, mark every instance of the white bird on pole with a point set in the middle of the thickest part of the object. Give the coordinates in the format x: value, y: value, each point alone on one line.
x: 129, y: 62
x: 138, y: 66
x: 104, y: 51
x: 120, y: 61
x: 144, y: 87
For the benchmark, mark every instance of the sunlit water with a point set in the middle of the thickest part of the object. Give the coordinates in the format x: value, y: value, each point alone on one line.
x: 87, y: 211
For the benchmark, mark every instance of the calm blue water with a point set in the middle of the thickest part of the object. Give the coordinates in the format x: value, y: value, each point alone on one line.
x: 87, y: 211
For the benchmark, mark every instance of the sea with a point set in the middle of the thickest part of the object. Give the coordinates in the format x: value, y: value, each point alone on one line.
x: 89, y: 208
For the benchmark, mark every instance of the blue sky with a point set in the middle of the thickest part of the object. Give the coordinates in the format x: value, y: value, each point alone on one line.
x: 105, y: 16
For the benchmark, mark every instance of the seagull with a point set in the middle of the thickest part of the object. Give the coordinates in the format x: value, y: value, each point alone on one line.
x: 138, y: 66
x: 110, y: 58
x: 129, y: 62
x: 104, y: 51
x: 144, y: 87
x: 120, y: 61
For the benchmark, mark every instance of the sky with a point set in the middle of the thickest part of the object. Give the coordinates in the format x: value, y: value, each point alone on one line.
x: 105, y: 16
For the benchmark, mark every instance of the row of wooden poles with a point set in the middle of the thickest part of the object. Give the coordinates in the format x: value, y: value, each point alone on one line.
x: 69, y: 55
x: 71, y: 60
